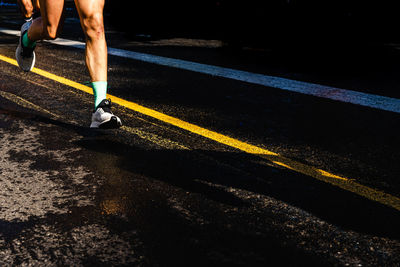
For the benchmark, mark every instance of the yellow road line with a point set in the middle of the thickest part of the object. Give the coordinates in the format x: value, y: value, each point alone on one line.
x: 342, y: 182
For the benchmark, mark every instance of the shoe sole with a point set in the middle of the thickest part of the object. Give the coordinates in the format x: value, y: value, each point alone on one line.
x: 113, y: 123
x: 18, y: 55
x: 17, y: 52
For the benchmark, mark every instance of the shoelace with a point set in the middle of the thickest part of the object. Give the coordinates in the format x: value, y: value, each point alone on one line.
x: 106, y: 105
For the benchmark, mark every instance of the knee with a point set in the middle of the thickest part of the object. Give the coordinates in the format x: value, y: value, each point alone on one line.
x: 93, y: 26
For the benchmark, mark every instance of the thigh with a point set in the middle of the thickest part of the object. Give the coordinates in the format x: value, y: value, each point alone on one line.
x: 89, y: 8
x: 52, y: 13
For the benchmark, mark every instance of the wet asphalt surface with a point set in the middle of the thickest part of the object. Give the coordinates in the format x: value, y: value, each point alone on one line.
x: 151, y: 194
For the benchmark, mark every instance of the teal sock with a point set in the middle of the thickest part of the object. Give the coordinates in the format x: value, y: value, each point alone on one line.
x: 26, y: 42
x: 99, y: 91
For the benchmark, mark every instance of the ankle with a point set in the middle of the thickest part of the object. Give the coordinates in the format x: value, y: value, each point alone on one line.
x: 27, y: 42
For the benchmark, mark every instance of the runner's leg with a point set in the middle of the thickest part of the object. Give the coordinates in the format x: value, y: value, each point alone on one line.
x: 49, y: 25
x: 45, y: 27
x: 91, y: 16
x: 26, y: 7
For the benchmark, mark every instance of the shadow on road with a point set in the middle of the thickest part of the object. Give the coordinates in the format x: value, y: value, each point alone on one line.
x: 219, y: 228
x: 186, y: 170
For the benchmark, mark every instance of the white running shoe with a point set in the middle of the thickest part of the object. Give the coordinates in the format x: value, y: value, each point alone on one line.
x: 103, y: 118
x: 25, y: 55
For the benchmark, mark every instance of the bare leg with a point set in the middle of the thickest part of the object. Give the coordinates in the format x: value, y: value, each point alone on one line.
x: 91, y: 16
x: 50, y: 23
x: 26, y: 8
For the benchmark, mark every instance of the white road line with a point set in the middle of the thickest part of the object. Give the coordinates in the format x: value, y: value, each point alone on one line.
x: 337, y: 94
x: 11, y: 32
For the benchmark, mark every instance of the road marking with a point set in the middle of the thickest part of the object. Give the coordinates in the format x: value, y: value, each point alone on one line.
x: 150, y: 137
x: 154, y: 138
x: 322, y: 91
x: 339, y: 181
x: 9, y: 32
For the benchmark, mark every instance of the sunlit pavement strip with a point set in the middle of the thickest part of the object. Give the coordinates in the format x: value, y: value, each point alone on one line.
x: 163, y: 142
x: 337, y: 94
x: 24, y: 103
x: 342, y: 182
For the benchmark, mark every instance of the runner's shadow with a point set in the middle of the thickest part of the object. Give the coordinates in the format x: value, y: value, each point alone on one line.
x: 18, y: 112
x: 210, y: 173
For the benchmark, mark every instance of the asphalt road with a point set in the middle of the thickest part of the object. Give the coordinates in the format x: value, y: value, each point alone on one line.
x: 154, y: 194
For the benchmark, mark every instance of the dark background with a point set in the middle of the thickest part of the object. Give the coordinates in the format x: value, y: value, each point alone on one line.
x: 263, y: 23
